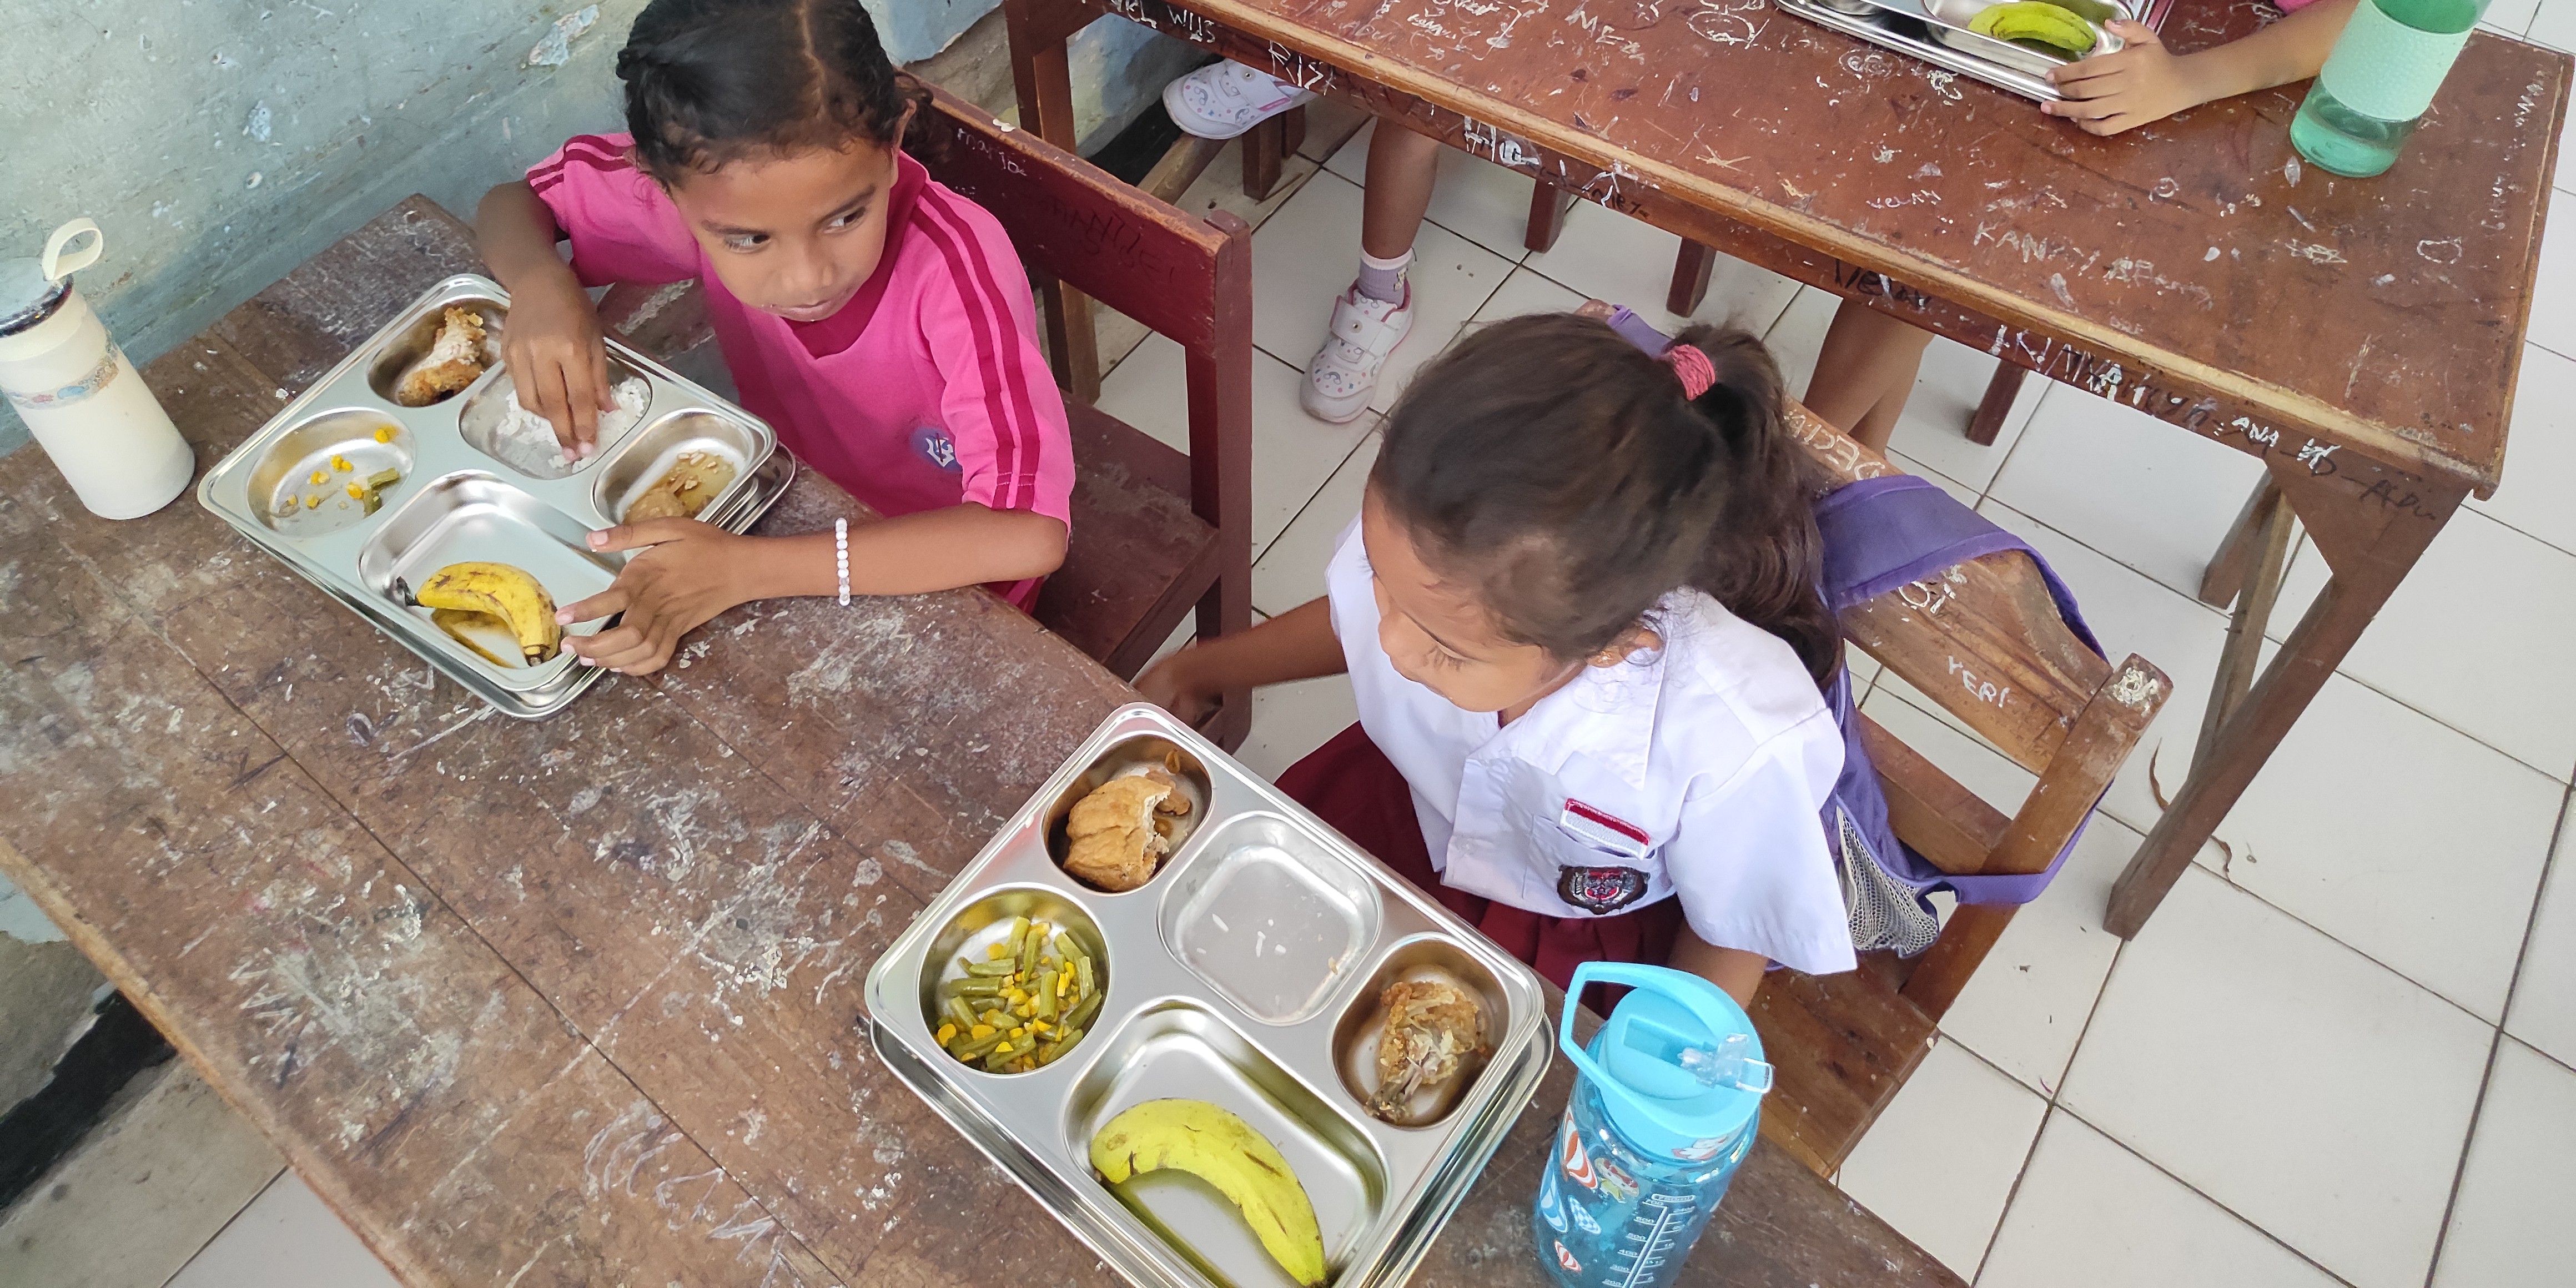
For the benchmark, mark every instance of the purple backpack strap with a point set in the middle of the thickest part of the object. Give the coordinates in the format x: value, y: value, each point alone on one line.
x: 1881, y: 534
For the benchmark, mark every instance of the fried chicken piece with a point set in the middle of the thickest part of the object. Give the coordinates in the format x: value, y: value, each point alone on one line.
x: 1115, y: 840
x: 1432, y: 1028
x: 455, y: 359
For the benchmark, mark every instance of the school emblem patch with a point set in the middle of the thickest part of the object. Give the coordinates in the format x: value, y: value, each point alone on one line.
x: 1600, y: 891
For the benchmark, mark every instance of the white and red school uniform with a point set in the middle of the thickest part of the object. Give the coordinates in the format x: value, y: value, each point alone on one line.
x: 926, y: 390
x: 1682, y: 785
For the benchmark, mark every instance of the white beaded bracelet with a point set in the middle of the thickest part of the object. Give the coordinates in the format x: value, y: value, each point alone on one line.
x: 841, y: 556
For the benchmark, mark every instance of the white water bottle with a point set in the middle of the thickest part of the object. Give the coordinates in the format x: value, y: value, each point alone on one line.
x: 65, y: 377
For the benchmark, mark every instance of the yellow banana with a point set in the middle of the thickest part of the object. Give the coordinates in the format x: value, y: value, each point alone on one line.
x: 504, y: 592
x: 1212, y: 1144
x: 2037, y: 21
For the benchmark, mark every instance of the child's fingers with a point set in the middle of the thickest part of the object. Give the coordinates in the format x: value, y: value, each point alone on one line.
x: 2098, y: 67
x: 628, y: 650
x: 599, y: 377
x: 2110, y: 124
x: 606, y: 603
x: 581, y: 399
x: 644, y: 532
x: 2134, y: 33
x: 2082, y: 109
x: 541, y: 390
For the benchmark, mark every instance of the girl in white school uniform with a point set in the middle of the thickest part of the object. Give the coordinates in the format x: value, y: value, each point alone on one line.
x: 1579, y: 612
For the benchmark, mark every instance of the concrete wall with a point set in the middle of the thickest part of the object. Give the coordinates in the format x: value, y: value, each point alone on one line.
x: 221, y: 142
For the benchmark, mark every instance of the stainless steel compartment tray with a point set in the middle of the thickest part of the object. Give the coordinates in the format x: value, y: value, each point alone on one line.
x: 1182, y: 1017
x: 1936, y: 32
x: 456, y: 501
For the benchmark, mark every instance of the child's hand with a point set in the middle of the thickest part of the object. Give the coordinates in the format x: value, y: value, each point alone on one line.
x: 1170, y: 685
x: 559, y: 361
x: 2108, y: 93
x: 690, y: 573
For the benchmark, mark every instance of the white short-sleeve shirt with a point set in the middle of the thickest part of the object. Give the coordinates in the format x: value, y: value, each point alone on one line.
x: 1697, y: 770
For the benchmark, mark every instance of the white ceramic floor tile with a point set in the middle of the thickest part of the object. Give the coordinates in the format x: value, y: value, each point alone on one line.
x: 2520, y: 1182
x: 1304, y: 256
x: 2540, y: 455
x: 1933, y: 429
x: 2511, y: 16
x: 1289, y: 720
x: 2027, y: 1003
x: 1292, y: 452
x: 1291, y: 571
x: 2481, y: 636
x: 2150, y: 495
x: 2544, y: 997
x: 142, y: 1192
x: 2553, y: 24
x: 1605, y: 255
x: 2401, y: 837
x: 2091, y: 1213
x: 1526, y: 292
x: 286, y: 1239
x: 1940, y: 1161
x: 1958, y: 491
x: 2255, y: 1059
x: 1473, y: 197
x: 2553, y: 306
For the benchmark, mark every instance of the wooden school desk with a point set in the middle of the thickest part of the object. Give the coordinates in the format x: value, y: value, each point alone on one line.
x: 2361, y: 338
x: 576, y: 1003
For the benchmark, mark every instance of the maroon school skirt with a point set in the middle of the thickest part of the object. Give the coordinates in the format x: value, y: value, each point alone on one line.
x: 1351, y: 784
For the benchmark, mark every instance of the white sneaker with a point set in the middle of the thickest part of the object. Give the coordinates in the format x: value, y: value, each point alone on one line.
x: 1223, y: 99
x: 1344, y: 372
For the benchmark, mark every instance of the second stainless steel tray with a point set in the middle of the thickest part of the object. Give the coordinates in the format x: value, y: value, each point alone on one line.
x: 1936, y: 31
x: 291, y: 488
x: 1246, y: 973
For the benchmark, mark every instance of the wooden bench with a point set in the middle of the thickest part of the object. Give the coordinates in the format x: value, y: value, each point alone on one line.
x: 1985, y: 642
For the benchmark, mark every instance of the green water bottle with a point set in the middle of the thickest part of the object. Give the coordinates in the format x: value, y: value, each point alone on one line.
x: 2382, y: 74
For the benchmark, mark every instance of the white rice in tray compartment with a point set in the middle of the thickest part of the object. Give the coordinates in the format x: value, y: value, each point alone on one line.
x: 526, y: 440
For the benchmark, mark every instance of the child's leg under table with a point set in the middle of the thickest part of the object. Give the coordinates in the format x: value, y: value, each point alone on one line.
x: 1865, y: 372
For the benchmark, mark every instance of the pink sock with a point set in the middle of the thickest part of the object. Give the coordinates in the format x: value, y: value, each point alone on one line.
x: 1383, y: 279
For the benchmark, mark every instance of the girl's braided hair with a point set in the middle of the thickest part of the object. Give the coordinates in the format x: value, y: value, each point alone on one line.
x: 713, y: 81
x: 1561, y: 472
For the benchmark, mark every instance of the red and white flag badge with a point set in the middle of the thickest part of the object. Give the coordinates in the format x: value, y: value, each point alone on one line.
x: 1604, y: 830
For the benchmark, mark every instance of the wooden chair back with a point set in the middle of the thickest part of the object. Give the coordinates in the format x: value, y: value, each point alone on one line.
x: 1183, y: 277
x: 1986, y: 642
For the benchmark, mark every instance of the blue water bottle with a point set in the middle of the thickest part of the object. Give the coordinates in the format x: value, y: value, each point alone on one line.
x: 1666, y: 1105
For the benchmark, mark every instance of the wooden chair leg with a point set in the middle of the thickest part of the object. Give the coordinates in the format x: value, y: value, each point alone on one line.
x: 1292, y: 131
x: 2227, y: 568
x: 1997, y: 404
x: 1690, y: 278
x: 1181, y: 166
x: 1073, y: 347
x: 2236, y: 663
x: 1548, y: 204
x: 1265, y: 151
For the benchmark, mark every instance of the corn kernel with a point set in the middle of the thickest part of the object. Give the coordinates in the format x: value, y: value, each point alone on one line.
x: 1063, y: 982
x: 1026, y: 1010
x: 319, y: 478
x: 1041, y: 1026
x: 384, y: 433
x: 980, y: 1032
x: 1017, y: 1033
x: 1002, y: 1049
x: 357, y: 493
x: 946, y: 1031
x: 313, y: 503
x: 992, y: 1016
x: 341, y: 463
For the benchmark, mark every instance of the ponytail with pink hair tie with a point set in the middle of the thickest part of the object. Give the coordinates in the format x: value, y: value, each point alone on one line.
x: 1697, y: 373
x: 1690, y: 365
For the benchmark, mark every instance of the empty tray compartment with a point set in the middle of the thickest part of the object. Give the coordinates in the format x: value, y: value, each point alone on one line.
x: 1363, y: 1022
x: 640, y: 462
x: 462, y: 518
x: 968, y: 938
x: 1135, y: 756
x: 1179, y: 1049
x: 411, y: 346
x: 284, y: 491
x: 526, y: 443
x: 1270, y: 917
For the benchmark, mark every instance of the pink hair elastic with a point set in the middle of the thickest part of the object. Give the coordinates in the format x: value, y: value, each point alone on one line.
x: 1694, y: 369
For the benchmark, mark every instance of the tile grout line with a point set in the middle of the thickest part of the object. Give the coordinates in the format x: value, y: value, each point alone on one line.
x: 1309, y: 502
x: 2460, y: 1166
x: 2241, y: 1219
x: 229, y: 1222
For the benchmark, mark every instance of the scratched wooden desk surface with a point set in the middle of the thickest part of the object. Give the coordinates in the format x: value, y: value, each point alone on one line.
x: 2383, y: 314
x: 577, y: 1002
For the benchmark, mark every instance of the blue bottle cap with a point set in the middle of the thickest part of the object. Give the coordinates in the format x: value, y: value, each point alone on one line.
x: 1678, y: 1065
